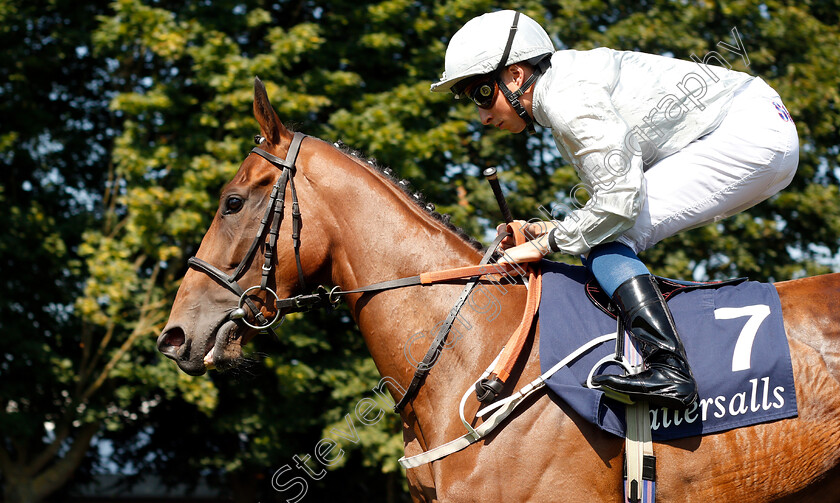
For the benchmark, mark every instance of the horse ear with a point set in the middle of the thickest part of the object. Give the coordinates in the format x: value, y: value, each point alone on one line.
x: 270, y: 126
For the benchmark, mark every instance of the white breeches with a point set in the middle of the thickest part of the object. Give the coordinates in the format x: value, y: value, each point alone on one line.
x: 752, y: 155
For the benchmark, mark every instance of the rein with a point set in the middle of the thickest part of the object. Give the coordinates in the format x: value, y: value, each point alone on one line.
x: 273, y: 216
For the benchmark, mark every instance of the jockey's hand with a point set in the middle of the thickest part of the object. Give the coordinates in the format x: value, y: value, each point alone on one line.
x: 510, y: 241
x: 527, y: 252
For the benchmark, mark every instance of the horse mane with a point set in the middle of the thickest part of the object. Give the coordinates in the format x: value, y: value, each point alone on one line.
x: 415, y: 195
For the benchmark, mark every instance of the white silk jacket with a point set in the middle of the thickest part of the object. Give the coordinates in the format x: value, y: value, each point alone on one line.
x: 614, y: 114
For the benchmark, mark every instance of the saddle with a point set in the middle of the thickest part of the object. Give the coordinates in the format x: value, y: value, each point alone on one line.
x: 668, y: 287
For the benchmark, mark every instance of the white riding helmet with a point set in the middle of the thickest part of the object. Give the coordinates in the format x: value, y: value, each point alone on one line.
x: 477, y: 48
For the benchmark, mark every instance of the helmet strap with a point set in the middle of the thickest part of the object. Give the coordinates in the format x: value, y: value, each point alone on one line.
x: 509, y: 44
x: 513, y: 96
x: 513, y: 99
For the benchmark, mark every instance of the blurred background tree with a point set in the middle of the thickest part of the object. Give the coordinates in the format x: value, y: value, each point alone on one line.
x: 122, y: 120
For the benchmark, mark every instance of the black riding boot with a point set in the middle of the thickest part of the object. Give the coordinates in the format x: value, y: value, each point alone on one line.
x: 667, y: 381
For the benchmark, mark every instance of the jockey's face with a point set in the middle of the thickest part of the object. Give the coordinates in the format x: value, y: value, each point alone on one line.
x: 501, y: 114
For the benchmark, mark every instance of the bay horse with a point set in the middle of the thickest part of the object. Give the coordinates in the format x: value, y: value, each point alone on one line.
x: 357, y: 227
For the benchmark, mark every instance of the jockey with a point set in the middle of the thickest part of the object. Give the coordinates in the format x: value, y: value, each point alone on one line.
x: 661, y: 145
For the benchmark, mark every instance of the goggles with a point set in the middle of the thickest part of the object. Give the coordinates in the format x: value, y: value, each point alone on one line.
x: 484, y: 93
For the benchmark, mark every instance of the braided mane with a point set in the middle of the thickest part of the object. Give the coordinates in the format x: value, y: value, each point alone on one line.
x: 415, y: 195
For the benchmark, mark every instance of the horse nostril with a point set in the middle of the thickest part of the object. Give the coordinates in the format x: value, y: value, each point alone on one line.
x: 169, y: 341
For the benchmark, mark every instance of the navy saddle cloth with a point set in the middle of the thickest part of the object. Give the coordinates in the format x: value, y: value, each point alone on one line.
x: 733, y: 335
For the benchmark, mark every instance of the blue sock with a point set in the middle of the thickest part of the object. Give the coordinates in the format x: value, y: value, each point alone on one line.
x: 614, y: 263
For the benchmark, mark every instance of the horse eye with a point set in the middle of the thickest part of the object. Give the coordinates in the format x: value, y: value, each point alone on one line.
x: 258, y: 139
x: 233, y: 204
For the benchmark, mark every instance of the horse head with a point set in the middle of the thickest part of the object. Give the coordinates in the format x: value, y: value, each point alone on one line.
x: 245, y: 263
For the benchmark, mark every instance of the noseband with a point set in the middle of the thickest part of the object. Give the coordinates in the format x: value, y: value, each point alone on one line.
x: 274, y: 217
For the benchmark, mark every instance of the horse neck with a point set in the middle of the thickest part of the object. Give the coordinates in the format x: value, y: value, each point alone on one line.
x: 374, y: 233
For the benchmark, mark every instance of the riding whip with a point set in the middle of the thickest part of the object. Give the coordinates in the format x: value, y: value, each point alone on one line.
x: 490, y: 174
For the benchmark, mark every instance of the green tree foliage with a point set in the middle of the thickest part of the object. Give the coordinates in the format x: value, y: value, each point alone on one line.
x: 123, y: 120
x: 79, y: 304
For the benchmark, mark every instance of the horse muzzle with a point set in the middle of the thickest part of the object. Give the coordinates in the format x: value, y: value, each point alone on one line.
x: 195, y: 354
x: 188, y: 353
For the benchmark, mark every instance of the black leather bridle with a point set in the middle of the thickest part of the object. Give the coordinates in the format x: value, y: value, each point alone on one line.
x: 273, y: 216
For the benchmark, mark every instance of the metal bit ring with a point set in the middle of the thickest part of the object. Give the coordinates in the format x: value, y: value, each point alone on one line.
x: 242, y: 301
